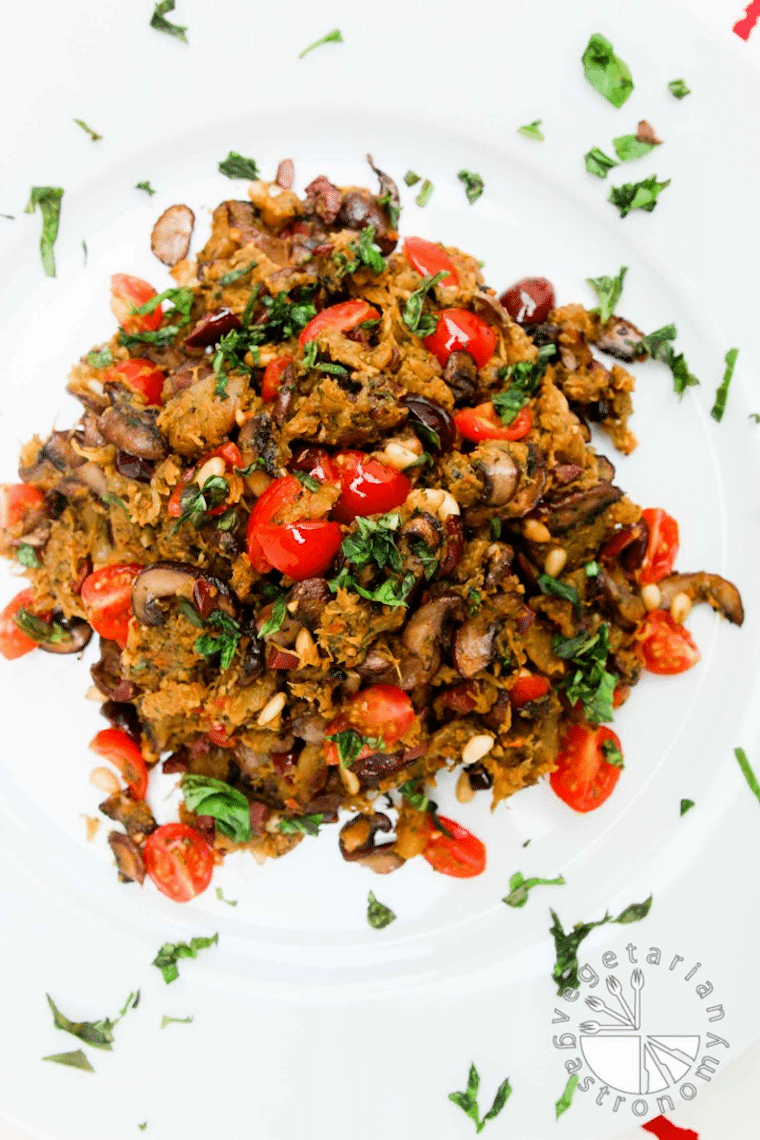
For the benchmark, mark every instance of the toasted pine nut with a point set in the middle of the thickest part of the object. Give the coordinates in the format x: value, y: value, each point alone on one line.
x: 241, y: 417
x: 271, y: 709
x: 350, y: 781
x: 555, y: 562
x: 464, y: 789
x: 214, y: 466
x: 425, y: 499
x: 448, y: 507
x: 104, y: 780
x: 398, y: 456
x: 680, y: 608
x: 258, y: 482
x: 91, y: 824
x: 94, y: 694
x: 476, y: 748
x: 535, y: 531
x: 651, y: 596
x: 306, y: 649
x: 291, y: 607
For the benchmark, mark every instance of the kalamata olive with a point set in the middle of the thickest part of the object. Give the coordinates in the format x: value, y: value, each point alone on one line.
x: 426, y: 417
x: 454, y: 528
x: 122, y: 715
x: 132, y: 467
x: 529, y: 301
x: 480, y: 778
x: 253, y: 662
x: 212, y: 327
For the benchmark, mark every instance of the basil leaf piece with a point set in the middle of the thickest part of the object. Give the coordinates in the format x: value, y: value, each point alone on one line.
x: 48, y: 198
x: 629, y: 147
x: 553, y: 586
x: 565, y: 972
x: 378, y: 914
x: 566, y: 1099
x: 100, y: 357
x: 236, y: 274
x: 749, y: 775
x: 721, y: 395
x: 598, y: 163
x: 468, y: 1100
x: 350, y: 744
x: 98, y: 1034
x: 84, y: 253
x: 76, y: 1060
x: 519, y: 888
x: 686, y: 805
x: 612, y: 753
x: 170, y: 953
x: 333, y: 37
x: 532, y: 131
x: 207, y: 796
x: 236, y: 166
x: 426, y: 193
x: 166, y: 1020
x: 161, y: 24
x: 220, y: 896
x: 473, y: 184
x: 593, y: 569
x: 303, y: 824
x: 658, y: 345
x: 411, y: 178
x: 88, y: 130
x: 274, y: 622
x: 390, y: 593
x: 39, y: 630
x: 145, y: 186
x: 115, y: 501
x: 679, y: 88
x: 419, y: 323
x: 225, y: 644
x: 605, y: 71
x: 588, y: 681
x: 373, y: 542
x: 755, y: 417
x: 608, y: 290
x: 637, y: 195
x: 366, y: 254
x: 524, y: 377
x: 27, y: 556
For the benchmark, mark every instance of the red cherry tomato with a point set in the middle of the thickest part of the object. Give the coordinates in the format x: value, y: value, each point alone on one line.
x: 664, y: 646
x: 107, y: 598
x: 124, y: 754
x: 17, y: 500
x: 662, y: 547
x: 141, y: 375
x: 217, y: 734
x: 13, y: 642
x: 584, y: 778
x: 270, y: 385
x: 129, y: 293
x: 230, y: 453
x: 428, y: 259
x: 529, y: 301
x: 529, y: 687
x: 179, y: 861
x: 461, y: 330
x: 300, y: 550
x: 462, y: 856
x: 483, y: 422
x: 381, y: 711
x: 343, y: 317
x: 368, y: 487
x: 279, y: 495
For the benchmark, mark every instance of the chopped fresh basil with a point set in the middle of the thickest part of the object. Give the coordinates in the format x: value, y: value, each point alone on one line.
x: 553, y: 586
x: 189, y: 612
x: 721, y: 395
x: 378, y: 914
x: 592, y: 569
x: 274, y: 622
x: 143, y: 1126
x: 285, y: 317
x: 195, y: 501
x: 76, y: 1060
x: 333, y: 37
x: 608, y: 290
x: 473, y: 184
x: 426, y: 557
x: 524, y: 377
x: 658, y: 345
x: 566, y: 1099
x: 588, y: 681
x: 755, y: 417
x: 686, y: 805
x: 115, y: 501
x: 519, y: 888
x: 225, y: 644
x: 220, y: 896
x: 27, y: 556
x: 413, y: 791
x: 612, y: 753
x: 474, y: 602
x: 411, y: 178
x: 307, y: 481
x: 207, y: 796
x: 366, y: 254
x: 565, y: 972
x: 88, y: 130
x: 373, y: 542
x: 426, y: 193
x: 166, y: 1020
x: 161, y: 24
x: 532, y: 131
x: 257, y: 465
x: 749, y: 775
x: 422, y: 324
x: 237, y: 166
x: 629, y: 147
x: 606, y: 72
x: 598, y: 163
x: 49, y: 633
x: 390, y: 593
x: 170, y: 953
x: 468, y: 1100
x: 48, y: 198
x: 678, y: 88
x: 350, y: 744
x: 495, y: 525
x: 146, y: 186
x: 236, y: 274
x: 98, y: 1034
x: 637, y: 195
x: 302, y: 824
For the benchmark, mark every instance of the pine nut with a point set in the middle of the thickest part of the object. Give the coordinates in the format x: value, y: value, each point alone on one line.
x: 350, y: 781
x: 291, y: 607
x: 476, y: 748
x: 464, y: 789
x: 104, y: 780
x: 651, y: 596
x: 680, y: 608
x: 535, y: 531
x: 425, y: 499
x: 555, y: 562
x: 91, y: 824
x: 306, y: 649
x: 398, y: 456
x: 214, y: 466
x: 448, y: 507
x: 271, y: 709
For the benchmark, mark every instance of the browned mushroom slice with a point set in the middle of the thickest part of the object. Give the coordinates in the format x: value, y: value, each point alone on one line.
x: 359, y: 209
x: 473, y: 645
x: 700, y: 586
x: 212, y: 327
x: 357, y: 844
x: 575, y: 508
x: 323, y: 199
x: 309, y: 597
x: 620, y: 338
x: 134, y: 468
x: 78, y: 636
x: 431, y: 421
x: 491, y: 309
x: 170, y: 239
x: 165, y: 580
x: 133, y: 431
x: 134, y: 815
x: 500, y: 473
x: 626, y: 605
x: 129, y: 861
x: 423, y: 633
x: 389, y: 195
x: 122, y: 715
x: 461, y: 375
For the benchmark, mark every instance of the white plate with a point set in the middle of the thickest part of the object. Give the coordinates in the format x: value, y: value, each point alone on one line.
x: 307, y: 1021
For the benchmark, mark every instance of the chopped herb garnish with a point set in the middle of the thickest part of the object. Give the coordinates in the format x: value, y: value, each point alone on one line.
x: 686, y: 805
x: 197, y: 501
x: 637, y: 195
x: 307, y: 480
x: 207, y: 796
x: 588, y: 681
x: 27, y: 556
x: 629, y: 147
x: 303, y: 824
x: 189, y: 612
x: 49, y: 633
x: 285, y: 318
x: 146, y: 186
x: 473, y: 184
x: 99, y: 1034
x: 519, y: 888
x: 115, y: 501
x: 48, y: 198
x: 755, y: 417
x: 612, y: 753
x: 422, y: 324
x: 166, y: 1020
x: 84, y: 253
x: 426, y: 557
x: 257, y: 465
x: 598, y: 163
x: 608, y: 290
x: 273, y: 624
x: 333, y: 37
x: 411, y: 178
x: 413, y: 791
x: 350, y: 744
x: 390, y: 593
x: 220, y: 896
x: 532, y: 131
x: 236, y: 274
x: 678, y: 88
x: 366, y: 254
x: 426, y: 193
x: 170, y: 953
x: 143, y: 1126
x: 495, y: 525
x: 592, y: 569
x: 566, y: 1099
x: 565, y: 972
x: 181, y: 300
x: 524, y: 377
x: 746, y: 768
x: 721, y: 394
x: 468, y: 1100
x: 378, y: 914
x: 237, y: 166
x: 88, y: 130
x: 8, y: 217
x: 373, y: 542
x: 76, y: 1060
x: 606, y: 72
x: 553, y: 586
x: 474, y: 602
x: 161, y: 24
x: 225, y: 644
x: 658, y: 345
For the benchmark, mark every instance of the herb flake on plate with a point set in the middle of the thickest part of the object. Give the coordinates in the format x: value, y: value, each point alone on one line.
x: 599, y: 163
x: 749, y: 775
x: 333, y: 37
x: 302, y: 824
x: 721, y: 395
x: 608, y: 290
x: 519, y: 888
x: 170, y: 953
x: 75, y: 1060
x: 659, y: 346
x: 630, y: 147
x: 686, y: 805
x: 146, y: 186
x: 566, y: 1099
x: 468, y: 1100
x: 411, y: 179
x: 48, y: 198
x: 422, y: 324
x: 206, y: 795
x: 238, y: 166
x: 679, y: 88
x: 426, y: 193
x: 220, y: 896
x: 161, y: 24
x: 605, y: 71
x: 532, y: 131
x: 166, y: 1020
x: 637, y: 195
x: 26, y: 555
x: 88, y: 130
x: 565, y: 972
x: 378, y: 914
x: 98, y: 1034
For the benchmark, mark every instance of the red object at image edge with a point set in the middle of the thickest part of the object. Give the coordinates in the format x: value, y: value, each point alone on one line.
x: 664, y: 1130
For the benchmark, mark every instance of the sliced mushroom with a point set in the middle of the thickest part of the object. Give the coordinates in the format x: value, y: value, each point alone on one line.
x: 461, y: 375
x: 129, y: 861
x: 473, y: 645
x: 309, y: 596
x: 254, y: 661
x: 700, y: 586
x: 499, y: 471
x: 170, y: 238
x: 122, y: 715
x: 134, y: 815
x: 423, y: 633
x: 256, y: 440
x: 164, y: 580
x: 431, y: 421
x: 358, y: 210
x: 212, y: 327
x: 79, y: 634
x: 106, y: 673
x: 626, y: 604
x: 491, y: 309
x: 323, y: 199
x: 357, y: 843
x: 310, y: 728
x: 619, y: 338
x: 389, y: 191
x: 499, y: 559
x: 576, y: 508
x: 134, y: 468
x: 133, y: 431
x: 378, y: 668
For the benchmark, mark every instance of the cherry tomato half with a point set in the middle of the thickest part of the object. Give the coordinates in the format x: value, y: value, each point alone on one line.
x: 664, y: 646
x: 129, y: 293
x: 428, y: 259
x: 13, y: 641
x: 528, y: 687
x: 230, y: 453
x: 483, y: 422
x: 114, y: 745
x: 529, y: 301
x: 270, y: 385
x: 380, y: 711
x: 662, y: 547
x: 279, y: 495
x: 462, y: 856
x: 343, y: 317
x: 179, y: 861
x: 17, y: 500
x: 368, y: 487
x: 142, y: 375
x: 461, y: 330
x: 584, y: 778
x: 301, y: 549
x: 107, y: 598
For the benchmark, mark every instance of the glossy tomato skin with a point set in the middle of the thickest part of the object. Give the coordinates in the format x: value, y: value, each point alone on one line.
x: 664, y: 646
x: 142, y: 375
x: 279, y: 495
x: 230, y: 453
x: 383, y: 711
x: 483, y: 422
x: 107, y: 598
x: 460, y: 330
x: 368, y: 487
x: 13, y: 642
x: 129, y: 293
x: 461, y: 855
x: 342, y: 317
x: 583, y: 778
x: 300, y: 550
x: 315, y: 461
x: 179, y: 861
x: 529, y: 301
x: 428, y: 259
x: 527, y: 688
x: 114, y: 745
x: 270, y: 385
x: 17, y: 500
x: 662, y: 547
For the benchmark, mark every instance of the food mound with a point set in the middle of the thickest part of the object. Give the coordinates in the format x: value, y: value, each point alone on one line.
x: 332, y: 509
